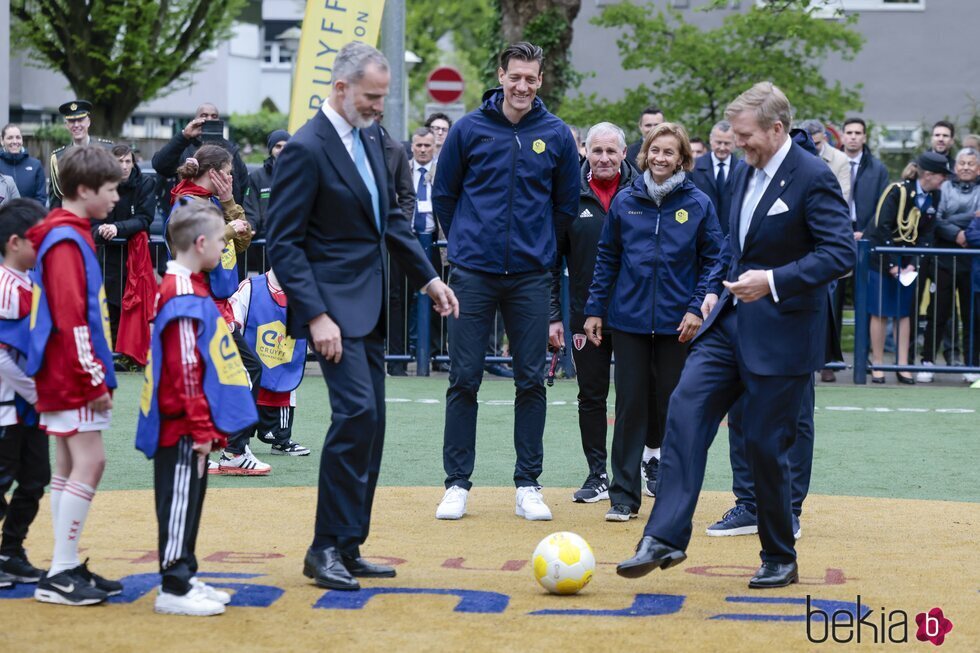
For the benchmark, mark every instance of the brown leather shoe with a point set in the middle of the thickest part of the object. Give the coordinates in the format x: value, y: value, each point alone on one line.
x: 828, y: 376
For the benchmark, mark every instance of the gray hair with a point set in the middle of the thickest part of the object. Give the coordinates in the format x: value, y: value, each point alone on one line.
x: 722, y: 126
x: 422, y: 132
x: 767, y: 102
x: 812, y: 127
x: 967, y: 151
x: 605, y: 129
x: 353, y: 59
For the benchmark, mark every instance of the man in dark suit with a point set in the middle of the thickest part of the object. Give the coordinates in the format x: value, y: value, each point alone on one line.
x: 333, y: 218
x: 650, y: 118
x: 714, y: 171
x: 789, y: 237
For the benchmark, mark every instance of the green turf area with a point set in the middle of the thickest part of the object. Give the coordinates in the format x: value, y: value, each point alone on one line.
x: 880, y: 442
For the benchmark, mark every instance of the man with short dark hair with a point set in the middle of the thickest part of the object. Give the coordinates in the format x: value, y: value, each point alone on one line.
x: 713, y: 171
x: 507, y: 172
x: 439, y: 124
x: 185, y: 143
x: 941, y: 140
x: 650, y: 118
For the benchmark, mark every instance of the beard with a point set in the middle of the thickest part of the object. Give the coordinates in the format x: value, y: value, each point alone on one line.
x: 353, y: 116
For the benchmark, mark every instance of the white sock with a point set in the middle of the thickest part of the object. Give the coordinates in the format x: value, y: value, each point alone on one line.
x: 649, y: 453
x: 72, y: 512
x: 57, y: 491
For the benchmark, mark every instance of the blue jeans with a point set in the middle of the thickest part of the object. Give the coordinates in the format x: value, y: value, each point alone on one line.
x: 523, y: 302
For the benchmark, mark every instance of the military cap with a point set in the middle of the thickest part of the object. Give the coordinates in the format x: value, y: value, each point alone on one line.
x: 933, y: 162
x: 75, y: 109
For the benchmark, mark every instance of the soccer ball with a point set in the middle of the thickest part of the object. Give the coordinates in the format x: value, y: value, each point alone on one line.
x: 563, y: 563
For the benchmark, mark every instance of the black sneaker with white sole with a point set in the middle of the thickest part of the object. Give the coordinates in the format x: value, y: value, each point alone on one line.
x: 620, y: 512
x: 290, y: 448
x: 68, y: 588
x: 595, y: 488
x: 110, y: 587
x: 6, y: 580
x: 651, y: 470
x: 18, y: 567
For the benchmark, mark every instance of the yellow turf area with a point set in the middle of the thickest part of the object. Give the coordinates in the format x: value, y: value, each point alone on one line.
x: 897, y: 555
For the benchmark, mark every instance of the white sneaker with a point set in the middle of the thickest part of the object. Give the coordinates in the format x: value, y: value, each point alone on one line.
x: 971, y: 378
x: 192, y: 604
x: 925, y: 377
x: 453, y: 504
x: 531, y: 505
x: 213, y: 467
x: 244, y: 465
x: 224, y: 598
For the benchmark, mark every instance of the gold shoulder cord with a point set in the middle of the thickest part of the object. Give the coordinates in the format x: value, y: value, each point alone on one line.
x: 906, y: 226
x: 55, y: 186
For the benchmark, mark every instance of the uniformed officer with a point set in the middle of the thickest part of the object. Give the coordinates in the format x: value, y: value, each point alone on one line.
x: 76, y: 113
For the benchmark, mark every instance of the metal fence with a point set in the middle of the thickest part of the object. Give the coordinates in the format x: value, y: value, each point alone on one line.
x: 416, y: 307
x: 958, y: 344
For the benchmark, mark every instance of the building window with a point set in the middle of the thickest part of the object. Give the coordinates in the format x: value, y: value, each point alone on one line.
x: 275, y: 53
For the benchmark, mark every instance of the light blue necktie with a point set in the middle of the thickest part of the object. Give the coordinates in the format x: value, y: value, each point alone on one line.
x: 748, y: 207
x: 360, y: 161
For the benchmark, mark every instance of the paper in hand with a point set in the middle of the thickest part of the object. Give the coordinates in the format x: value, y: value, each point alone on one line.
x: 907, y: 277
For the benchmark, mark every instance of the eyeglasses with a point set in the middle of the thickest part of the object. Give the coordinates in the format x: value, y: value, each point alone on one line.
x: 441, y: 130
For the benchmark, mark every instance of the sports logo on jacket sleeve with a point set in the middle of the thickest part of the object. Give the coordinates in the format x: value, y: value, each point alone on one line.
x: 273, y: 346
x: 538, y: 146
x: 681, y: 216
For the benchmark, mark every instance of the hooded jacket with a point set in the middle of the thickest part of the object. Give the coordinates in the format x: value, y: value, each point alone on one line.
x: 179, y: 148
x: 500, y: 187
x: 28, y: 174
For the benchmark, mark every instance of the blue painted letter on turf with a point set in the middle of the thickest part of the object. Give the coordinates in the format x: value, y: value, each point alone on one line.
x: 644, y: 605
x: 826, y: 605
x: 470, y: 601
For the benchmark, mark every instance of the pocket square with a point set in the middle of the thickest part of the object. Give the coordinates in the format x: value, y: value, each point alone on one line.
x: 779, y: 206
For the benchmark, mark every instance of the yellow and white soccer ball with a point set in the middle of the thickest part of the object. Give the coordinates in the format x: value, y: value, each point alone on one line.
x: 563, y: 563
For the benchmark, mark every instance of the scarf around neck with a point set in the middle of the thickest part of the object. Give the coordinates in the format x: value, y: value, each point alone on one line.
x: 658, y: 192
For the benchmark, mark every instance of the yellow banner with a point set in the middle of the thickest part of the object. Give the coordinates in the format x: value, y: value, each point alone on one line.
x: 328, y: 25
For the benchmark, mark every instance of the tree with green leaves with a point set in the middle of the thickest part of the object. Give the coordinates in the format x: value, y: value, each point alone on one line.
x: 696, y: 72
x: 118, y: 54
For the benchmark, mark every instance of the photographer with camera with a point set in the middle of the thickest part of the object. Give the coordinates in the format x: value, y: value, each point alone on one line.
x: 206, y: 128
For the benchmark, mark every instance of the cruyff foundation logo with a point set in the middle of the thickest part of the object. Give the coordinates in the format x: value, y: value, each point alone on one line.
x: 933, y: 626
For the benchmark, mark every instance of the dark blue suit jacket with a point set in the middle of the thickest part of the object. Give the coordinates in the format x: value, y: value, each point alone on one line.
x: 703, y: 176
x: 323, y: 241
x: 806, y: 246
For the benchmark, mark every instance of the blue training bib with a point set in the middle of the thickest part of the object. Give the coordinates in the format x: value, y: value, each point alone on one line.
x: 224, y: 278
x: 226, y: 384
x: 283, y: 358
x: 41, y: 323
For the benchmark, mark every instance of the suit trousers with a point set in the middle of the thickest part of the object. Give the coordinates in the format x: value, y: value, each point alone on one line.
x: 180, y: 482
x: 714, y: 377
x: 523, y: 300
x: 800, y: 455
x: 943, y: 331
x: 648, y: 368
x: 24, y: 460
x: 351, y: 459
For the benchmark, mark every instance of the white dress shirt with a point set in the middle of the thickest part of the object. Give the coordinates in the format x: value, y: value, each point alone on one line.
x: 430, y: 221
x: 727, y: 166
x: 769, y: 171
x: 346, y: 132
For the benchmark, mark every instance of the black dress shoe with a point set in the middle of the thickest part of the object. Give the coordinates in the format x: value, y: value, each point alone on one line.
x: 907, y: 380
x: 651, y: 553
x: 364, y: 569
x: 877, y: 379
x: 774, y: 574
x: 327, y: 570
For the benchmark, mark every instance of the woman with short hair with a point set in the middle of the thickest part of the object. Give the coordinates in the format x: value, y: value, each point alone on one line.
x: 658, y: 256
x: 26, y: 171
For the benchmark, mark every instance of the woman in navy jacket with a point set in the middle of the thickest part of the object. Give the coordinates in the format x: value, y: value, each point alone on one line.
x: 658, y: 256
x: 28, y: 173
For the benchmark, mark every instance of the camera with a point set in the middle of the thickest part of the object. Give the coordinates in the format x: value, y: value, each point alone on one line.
x: 213, y: 130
